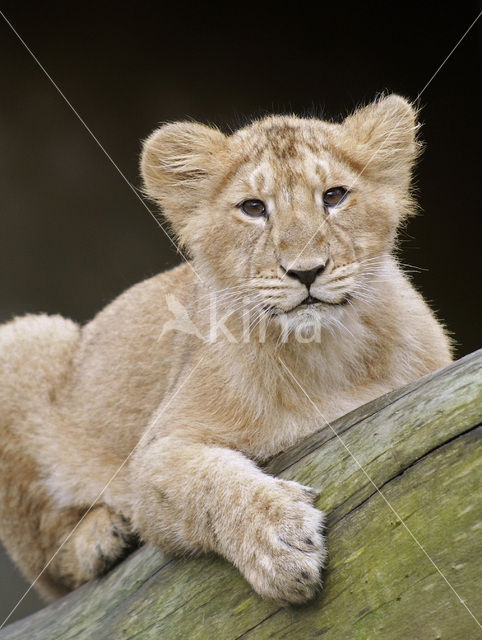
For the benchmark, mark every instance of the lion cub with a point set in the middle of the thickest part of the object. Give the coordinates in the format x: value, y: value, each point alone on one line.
x: 159, y: 408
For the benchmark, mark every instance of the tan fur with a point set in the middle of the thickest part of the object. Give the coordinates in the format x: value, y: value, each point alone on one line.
x: 197, y: 409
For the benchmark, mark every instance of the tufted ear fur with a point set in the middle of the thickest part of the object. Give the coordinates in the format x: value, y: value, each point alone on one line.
x: 381, y: 139
x: 178, y: 163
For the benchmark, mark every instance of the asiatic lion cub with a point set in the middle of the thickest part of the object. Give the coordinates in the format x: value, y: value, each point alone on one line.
x: 156, y: 409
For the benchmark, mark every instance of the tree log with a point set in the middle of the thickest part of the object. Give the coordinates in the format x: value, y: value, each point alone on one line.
x: 399, y: 480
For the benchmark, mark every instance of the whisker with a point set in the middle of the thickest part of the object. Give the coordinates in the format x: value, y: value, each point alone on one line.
x: 252, y: 308
x: 411, y: 266
x: 261, y: 314
x: 337, y: 322
x: 218, y: 291
x: 245, y: 303
x: 231, y: 297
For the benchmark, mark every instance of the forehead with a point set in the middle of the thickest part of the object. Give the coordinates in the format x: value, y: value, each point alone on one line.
x: 283, y: 153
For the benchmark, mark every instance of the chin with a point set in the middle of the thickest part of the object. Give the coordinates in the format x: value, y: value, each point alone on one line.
x: 308, y: 323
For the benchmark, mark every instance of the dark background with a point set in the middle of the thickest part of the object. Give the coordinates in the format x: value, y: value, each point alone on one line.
x: 73, y: 235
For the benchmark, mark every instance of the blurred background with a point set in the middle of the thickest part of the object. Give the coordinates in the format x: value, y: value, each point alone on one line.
x: 73, y: 235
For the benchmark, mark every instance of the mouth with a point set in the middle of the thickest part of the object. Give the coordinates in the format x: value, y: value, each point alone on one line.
x: 309, y: 300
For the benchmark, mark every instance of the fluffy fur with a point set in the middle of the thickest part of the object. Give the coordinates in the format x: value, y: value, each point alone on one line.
x: 162, y: 427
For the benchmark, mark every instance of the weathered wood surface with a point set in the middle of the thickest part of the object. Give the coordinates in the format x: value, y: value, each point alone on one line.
x: 421, y: 448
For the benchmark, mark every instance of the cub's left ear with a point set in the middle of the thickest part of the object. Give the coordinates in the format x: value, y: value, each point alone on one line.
x: 381, y: 138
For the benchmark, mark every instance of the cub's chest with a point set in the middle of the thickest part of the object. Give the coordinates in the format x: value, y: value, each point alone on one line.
x: 285, y: 420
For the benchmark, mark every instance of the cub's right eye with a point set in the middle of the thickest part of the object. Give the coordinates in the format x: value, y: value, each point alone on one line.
x: 253, y: 208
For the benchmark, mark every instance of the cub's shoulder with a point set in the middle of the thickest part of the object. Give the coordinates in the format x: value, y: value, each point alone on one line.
x: 142, y: 307
x: 152, y: 291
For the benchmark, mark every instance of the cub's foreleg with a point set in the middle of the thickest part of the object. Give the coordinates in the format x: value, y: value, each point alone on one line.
x: 94, y: 543
x: 191, y: 497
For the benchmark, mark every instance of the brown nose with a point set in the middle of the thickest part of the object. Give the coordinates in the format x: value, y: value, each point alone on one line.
x: 306, y: 277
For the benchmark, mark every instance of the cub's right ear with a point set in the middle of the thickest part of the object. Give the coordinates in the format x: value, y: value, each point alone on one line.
x: 178, y: 163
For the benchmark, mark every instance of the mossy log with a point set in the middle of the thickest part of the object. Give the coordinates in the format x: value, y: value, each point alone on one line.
x: 403, y: 534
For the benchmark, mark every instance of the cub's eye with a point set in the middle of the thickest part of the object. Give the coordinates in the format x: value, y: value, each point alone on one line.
x: 253, y: 208
x: 334, y: 196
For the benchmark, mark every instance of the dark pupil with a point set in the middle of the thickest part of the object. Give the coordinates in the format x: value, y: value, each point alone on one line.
x: 253, y: 207
x: 334, y: 196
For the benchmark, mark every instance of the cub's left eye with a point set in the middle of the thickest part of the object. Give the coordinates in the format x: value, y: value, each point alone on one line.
x: 334, y: 196
x: 253, y: 208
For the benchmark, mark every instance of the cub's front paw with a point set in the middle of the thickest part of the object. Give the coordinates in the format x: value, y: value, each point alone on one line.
x: 110, y: 539
x: 283, y: 548
x: 101, y: 540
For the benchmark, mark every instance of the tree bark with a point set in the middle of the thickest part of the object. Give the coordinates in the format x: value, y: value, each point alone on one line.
x: 398, y: 478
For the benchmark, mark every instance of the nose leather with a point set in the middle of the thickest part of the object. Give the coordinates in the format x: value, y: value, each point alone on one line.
x: 306, y: 277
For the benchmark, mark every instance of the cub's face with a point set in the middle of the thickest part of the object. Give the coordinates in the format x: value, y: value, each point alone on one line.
x: 289, y: 216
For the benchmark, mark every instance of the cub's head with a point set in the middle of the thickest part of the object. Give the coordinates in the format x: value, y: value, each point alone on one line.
x: 290, y: 215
